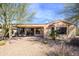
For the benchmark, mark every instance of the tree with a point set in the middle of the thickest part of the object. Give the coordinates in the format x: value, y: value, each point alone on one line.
x: 11, y: 12
x: 71, y: 12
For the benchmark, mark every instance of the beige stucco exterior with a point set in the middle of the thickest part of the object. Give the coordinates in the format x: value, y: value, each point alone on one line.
x: 71, y: 29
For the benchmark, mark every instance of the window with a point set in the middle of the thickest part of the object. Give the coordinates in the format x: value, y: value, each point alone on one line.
x: 61, y: 30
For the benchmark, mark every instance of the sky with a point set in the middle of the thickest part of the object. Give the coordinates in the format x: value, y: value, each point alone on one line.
x: 46, y: 12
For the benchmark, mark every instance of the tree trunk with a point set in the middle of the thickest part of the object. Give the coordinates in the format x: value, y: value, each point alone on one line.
x: 10, y: 32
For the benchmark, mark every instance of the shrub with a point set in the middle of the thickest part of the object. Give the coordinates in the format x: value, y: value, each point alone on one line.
x: 52, y: 34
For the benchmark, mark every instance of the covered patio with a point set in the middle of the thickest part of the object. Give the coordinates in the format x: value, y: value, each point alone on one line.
x: 30, y: 30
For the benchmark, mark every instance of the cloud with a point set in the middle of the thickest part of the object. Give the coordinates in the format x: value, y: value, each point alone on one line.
x: 45, y: 12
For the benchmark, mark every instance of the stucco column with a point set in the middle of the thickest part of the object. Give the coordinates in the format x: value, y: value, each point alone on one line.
x: 25, y: 31
x: 18, y: 31
x: 45, y: 32
x: 34, y: 31
x: 67, y: 31
x: 55, y: 28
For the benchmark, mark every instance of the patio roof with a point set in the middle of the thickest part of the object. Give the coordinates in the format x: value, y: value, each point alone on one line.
x: 30, y: 25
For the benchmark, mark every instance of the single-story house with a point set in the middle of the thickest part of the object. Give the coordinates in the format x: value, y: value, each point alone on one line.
x: 66, y: 28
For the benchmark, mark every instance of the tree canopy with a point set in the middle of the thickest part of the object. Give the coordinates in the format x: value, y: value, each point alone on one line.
x: 10, y: 12
x: 71, y: 12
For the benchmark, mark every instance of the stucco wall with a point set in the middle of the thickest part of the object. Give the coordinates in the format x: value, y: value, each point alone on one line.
x: 71, y: 30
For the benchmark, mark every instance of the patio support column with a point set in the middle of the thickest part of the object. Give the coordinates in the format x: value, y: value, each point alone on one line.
x: 18, y: 31
x: 45, y: 32
x: 55, y: 28
x: 41, y: 32
x: 34, y: 31
x: 25, y: 31
x: 67, y: 31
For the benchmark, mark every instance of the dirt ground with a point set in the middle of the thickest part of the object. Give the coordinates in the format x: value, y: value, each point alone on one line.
x: 28, y: 46
x: 24, y: 47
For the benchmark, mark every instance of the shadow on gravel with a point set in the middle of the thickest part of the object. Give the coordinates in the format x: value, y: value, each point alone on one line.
x: 74, y: 42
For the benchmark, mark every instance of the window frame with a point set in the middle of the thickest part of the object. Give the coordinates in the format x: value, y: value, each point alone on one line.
x: 61, y: 31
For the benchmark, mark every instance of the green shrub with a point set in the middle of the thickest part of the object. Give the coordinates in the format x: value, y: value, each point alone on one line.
x: 53, y: 34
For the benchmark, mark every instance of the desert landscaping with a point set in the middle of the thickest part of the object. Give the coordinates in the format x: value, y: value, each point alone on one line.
x: 35, y: 46
x: 29, y: 29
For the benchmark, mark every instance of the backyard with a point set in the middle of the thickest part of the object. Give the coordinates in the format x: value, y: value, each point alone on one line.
x: 36, y: 46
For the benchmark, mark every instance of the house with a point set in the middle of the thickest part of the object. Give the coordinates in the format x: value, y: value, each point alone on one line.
x: 66, y: 29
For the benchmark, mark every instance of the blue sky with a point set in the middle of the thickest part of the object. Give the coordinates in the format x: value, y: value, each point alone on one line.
x: 46, y: 12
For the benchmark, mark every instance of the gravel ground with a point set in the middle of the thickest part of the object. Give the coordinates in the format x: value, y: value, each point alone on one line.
x: 34, y: 46
x: 23, y: 47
